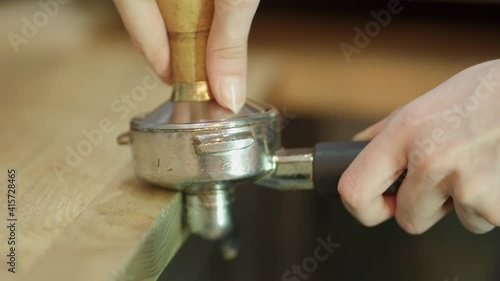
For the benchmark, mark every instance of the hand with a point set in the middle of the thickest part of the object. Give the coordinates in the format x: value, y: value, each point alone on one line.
x: 226, y: 49
x: 449, y: 140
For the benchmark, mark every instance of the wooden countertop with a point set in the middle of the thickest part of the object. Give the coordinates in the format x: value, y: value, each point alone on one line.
x: 81, y: 213
x: 66, y: 96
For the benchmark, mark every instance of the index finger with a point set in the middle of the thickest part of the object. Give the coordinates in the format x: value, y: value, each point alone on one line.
x: 363, y: 184
x: 144, y: 22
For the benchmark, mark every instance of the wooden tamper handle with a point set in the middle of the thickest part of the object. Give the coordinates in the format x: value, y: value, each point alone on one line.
x: 188, y: 25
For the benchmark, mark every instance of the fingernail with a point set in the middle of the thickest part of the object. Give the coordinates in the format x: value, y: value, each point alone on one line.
x: 232, y: 93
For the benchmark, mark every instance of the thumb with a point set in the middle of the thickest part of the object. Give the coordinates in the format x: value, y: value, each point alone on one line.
x: 227, y: 51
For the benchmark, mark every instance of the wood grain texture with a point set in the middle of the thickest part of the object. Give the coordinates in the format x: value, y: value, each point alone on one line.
x: 95, y: 221
x: 125, y: 213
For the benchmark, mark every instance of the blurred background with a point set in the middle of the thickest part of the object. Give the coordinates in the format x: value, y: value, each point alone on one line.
x: 297, y: 64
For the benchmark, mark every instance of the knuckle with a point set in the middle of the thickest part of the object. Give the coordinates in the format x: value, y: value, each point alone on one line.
x: 368, y: 222
x: 476, y: 229
x: 430, y: 164
x: 434, y: 168
x: 347, y: 190
x: 492, y: 217
x: 464, y: 195
x: 410, y: 226
x: 407, y: 118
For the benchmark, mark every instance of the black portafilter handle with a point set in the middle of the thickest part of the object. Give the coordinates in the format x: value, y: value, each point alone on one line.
x: 330, y: 162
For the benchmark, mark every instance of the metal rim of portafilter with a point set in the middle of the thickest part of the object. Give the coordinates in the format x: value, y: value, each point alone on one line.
x: 205, y: 160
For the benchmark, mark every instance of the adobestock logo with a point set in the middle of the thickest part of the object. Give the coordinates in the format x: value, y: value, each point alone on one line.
x: 75, y: 155
x: 372, y: 29
x: 454, y: 119
x: 31, y: 27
